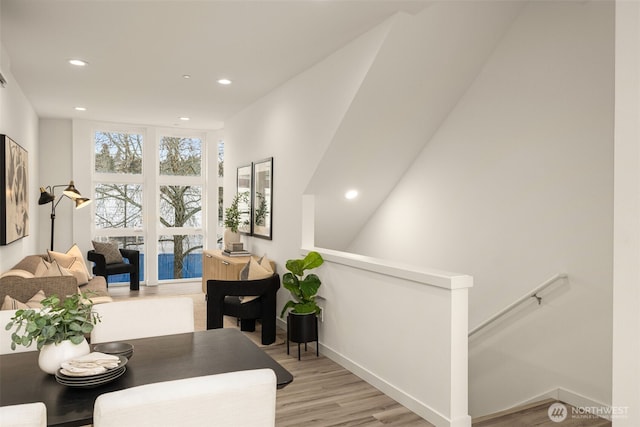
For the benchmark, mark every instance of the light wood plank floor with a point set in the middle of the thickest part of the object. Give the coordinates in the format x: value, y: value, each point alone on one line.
x: 322, y: 394
x: 536, y: 414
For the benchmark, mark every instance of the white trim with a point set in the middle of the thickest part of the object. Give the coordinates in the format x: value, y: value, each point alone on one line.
x: 427, y: 276
x: 408, y: 401
x: 398, y: 395
x: 570, y: 397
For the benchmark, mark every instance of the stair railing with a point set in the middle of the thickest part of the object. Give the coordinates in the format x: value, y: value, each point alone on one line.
x: 533, y: 294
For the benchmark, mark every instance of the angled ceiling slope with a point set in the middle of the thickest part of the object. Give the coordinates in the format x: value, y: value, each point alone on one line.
x: 422, y: 69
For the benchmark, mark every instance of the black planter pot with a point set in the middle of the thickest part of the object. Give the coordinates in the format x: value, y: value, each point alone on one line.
x: 302, y: 328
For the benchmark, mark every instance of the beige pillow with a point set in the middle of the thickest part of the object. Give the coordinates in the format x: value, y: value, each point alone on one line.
x: 252, y: 271
x: 13, y: 304
x: 265, y: 263
x: 55, y: 270
x: 74, y: 262
x: 42, y: 268
x: 80, y: 264
x: 109, y: 250
x: 19, y: 273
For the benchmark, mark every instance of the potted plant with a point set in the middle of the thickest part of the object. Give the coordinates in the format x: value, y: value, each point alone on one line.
x: 233, y: 218
x: 302, y: 318
x: 58, y: 329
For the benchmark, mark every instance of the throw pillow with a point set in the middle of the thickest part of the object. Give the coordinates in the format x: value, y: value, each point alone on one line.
x: 81, y: 264
x: 42, y: 268
x: 252, y: 271
x: 109, y: 250
x: 55, y: 270
x: 18, y: 272
x: 74, y: 262
x: 265, y: 263
x: 13, y: 304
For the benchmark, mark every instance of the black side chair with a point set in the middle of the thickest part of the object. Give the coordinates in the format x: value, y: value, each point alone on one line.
x: 101, y: 268
x: 222, y: 299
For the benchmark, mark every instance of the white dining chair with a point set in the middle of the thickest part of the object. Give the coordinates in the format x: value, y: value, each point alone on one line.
x: 141, y: 318
x: 234, y: 399
x: 24, y: 415
x: 5, y: 336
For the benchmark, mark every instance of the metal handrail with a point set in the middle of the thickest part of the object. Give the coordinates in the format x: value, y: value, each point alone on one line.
x: 532, y: 294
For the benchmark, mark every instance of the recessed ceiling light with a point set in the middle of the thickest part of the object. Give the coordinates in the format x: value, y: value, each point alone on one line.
x: 184, y: 119
x: 186, y: 76
x: 78, y: 62
x: 80, y: 108
x: 351, y: 194
x: 224, y: 82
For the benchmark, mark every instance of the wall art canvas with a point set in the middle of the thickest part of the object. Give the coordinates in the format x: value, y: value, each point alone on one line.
x: 14, y: 205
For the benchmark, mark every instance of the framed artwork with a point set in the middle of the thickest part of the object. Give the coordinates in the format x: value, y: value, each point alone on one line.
x: 263, y: 198
x: 244, y: 190
x: 14, y: 204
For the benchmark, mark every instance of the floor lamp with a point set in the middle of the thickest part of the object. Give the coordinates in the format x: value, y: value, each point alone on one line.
x: 47, y: 195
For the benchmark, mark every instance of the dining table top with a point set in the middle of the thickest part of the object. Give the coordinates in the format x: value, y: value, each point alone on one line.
x: 155, y: 359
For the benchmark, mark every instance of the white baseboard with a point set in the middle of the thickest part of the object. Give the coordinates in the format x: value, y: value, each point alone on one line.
x: 390, y: 390
x: 581, y: 403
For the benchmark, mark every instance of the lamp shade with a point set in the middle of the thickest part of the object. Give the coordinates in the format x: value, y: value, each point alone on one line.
x: 71, y: 191
x: 81, y: 202
x: 45, y: 197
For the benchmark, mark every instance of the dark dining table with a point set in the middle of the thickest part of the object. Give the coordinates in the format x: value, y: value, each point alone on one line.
x: 155, y: 359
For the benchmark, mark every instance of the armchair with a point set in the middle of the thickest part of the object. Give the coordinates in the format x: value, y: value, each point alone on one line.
x: 101, y: 268
x: 222, y: 299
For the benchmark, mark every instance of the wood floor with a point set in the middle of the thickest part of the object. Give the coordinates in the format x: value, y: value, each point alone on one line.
x: 324, y: 394
x: 537, y: 414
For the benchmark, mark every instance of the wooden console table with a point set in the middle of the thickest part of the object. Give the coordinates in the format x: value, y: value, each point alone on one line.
x: 216, y: 266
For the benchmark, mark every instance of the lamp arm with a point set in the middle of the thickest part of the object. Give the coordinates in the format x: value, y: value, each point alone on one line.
x: 54, y: 205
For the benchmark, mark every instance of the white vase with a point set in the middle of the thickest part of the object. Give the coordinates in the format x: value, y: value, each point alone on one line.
x: 230, y: 237
x: 52, y: 355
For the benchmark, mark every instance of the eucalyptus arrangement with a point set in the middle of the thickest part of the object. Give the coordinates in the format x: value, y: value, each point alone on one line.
x: 303, y: 289
x: 58, y: 320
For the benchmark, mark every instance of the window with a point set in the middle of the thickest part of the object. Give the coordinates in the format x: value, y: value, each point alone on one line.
x: 180, y: 207
x: 147, y: 189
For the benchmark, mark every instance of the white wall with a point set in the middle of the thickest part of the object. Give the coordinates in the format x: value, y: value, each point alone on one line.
x: 18, y: 120
x: 517, y: 185
x: 425, y: 64
x: 55, y: 150
x: 626, y: 291
x: 294, y: 125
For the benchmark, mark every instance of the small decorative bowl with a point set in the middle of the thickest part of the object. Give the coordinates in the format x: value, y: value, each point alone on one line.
x: 115, y: 348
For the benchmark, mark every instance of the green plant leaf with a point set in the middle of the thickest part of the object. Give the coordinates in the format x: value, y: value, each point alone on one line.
x: 76, y: 339
x: 309, y: 286
x: 295, y: 266
x: 309, y: 307
x: 75, y: 326
x: 312, y: 260
x: 292, y: 284
x: 287, y: 306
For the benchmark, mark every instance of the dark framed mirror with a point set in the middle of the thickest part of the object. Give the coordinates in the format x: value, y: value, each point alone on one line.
x: 244, y: 191
x: 263, y: 198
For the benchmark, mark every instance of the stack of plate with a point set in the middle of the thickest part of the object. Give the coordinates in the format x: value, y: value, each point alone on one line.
x: 115, y: 348
x: 92, y: 380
